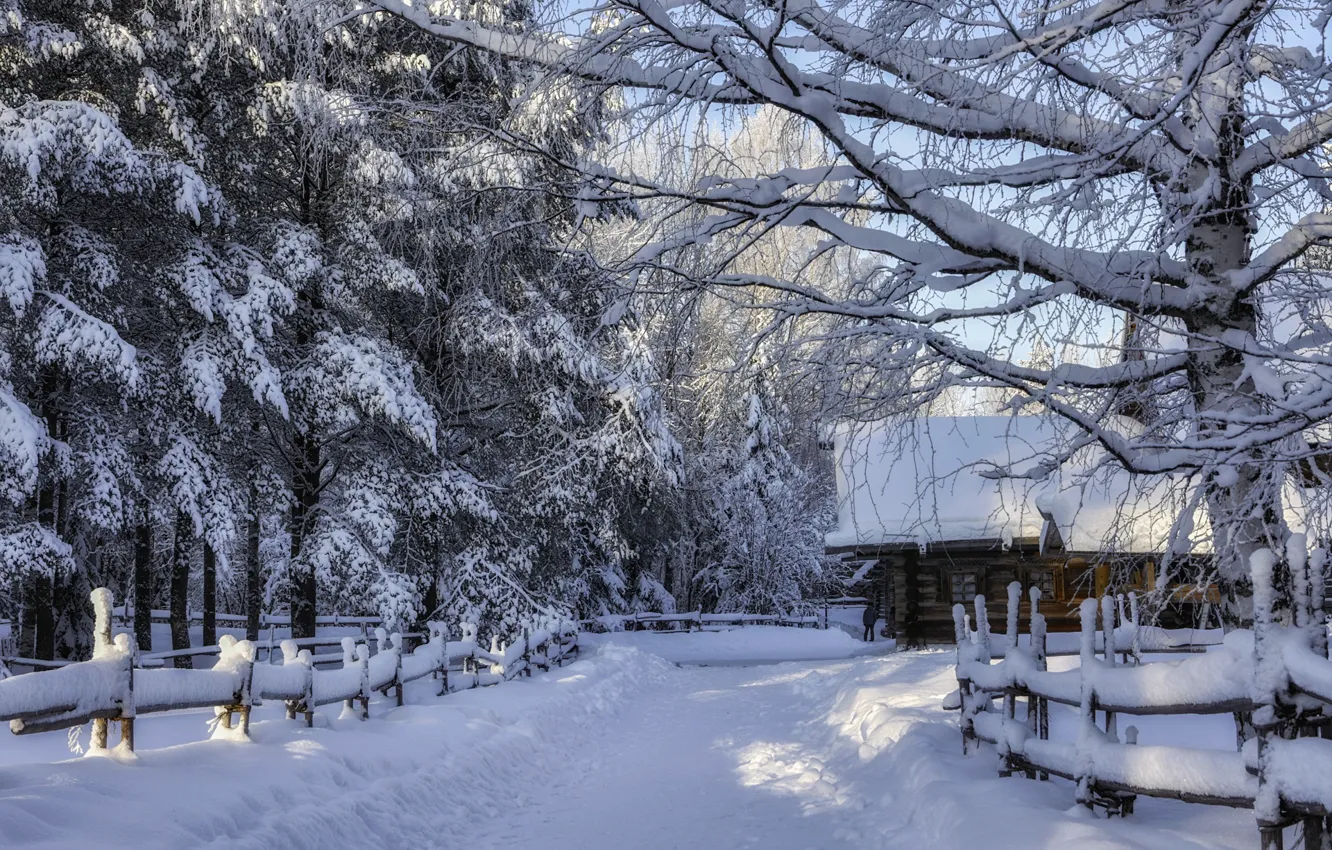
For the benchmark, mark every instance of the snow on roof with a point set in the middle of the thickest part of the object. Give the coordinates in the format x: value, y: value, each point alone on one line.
x: 923, y: 481
x: 862, y: 572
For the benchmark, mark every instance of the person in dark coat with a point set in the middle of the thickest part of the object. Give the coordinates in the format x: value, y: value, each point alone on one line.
x: 870, y: 618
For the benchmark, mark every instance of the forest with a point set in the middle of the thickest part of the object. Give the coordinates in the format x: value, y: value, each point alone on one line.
x: 293, y: 323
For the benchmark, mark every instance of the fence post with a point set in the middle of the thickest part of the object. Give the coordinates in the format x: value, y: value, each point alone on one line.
x: 960, y: 631
x: 1111, y: 643
x: 1010, y: 698
x: 982, y: 627
x: 527, y: 652
x: 102, y: 604
x: 126, y: 643
x: 397, y: 667
x: 1087, y: 708
x: 439, y: 644
x: 1268, y: 722
x: 1038, y: 708
x: 247, y: 695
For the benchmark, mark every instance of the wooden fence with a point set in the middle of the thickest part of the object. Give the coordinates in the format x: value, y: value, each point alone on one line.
x: 694, y: 621
x: 115, y: 686
x: 1285, y: 773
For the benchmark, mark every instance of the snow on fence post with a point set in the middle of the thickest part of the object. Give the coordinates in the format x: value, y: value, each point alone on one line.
x: 1014, y: 602
x: 1108, y: 632
x: 356, y: 655
x: 965, y: 650
x: 240, y: 655
x: 396, y: 637
x: 1087, y: 730
x: 1038, y: 708
x: 1011, y: 651
x: 1268, y: 679
x: 102, y: 604
x: 125, y: 643
x: 439, y: 643
x: 294, y: 656
x: 982, y: 627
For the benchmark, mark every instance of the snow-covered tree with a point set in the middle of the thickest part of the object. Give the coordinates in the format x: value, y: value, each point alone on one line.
x: 1024, y: 163
x: 766, y: 518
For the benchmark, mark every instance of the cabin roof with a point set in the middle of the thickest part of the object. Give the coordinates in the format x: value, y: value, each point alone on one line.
x: 930, y: 480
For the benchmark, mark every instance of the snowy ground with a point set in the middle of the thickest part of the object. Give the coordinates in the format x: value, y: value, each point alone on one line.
x: 623, y: 749
x: 744, y: 646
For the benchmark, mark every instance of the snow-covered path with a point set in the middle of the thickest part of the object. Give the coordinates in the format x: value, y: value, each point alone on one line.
x: 815, y: 756
x: 705, y: 761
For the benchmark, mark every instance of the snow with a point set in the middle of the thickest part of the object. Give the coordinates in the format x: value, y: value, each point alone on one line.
x: 1301, y: 770
x: 929, y: 485
x: 78, y: 689
x: 747, y: 645
x: 862, y: 571
x: 618, y: 749
x: 225, y: 684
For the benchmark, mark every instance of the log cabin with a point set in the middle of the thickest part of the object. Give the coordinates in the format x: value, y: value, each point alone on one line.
x: 925, y: 521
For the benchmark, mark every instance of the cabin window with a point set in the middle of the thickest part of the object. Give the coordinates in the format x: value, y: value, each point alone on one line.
x: 964, y: 587
x: 1043, y: 579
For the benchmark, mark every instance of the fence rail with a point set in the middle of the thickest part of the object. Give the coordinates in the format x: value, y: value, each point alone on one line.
x: 696, y: 621
x: 118, y: 684
x: 125, y: 616
x: 1290, y: 782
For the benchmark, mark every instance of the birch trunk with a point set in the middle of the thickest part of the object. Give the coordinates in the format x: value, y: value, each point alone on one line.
x: 1244, y: 498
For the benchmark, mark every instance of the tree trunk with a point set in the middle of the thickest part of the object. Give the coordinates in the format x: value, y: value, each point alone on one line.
x: 1244, y: 498
x: 42, y: 603
x: 180, y: 589
x: 42, y: 600
x: 254, y: 596
x: 305, y: 498
x: 143, y: 586
x: 209, y: 595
